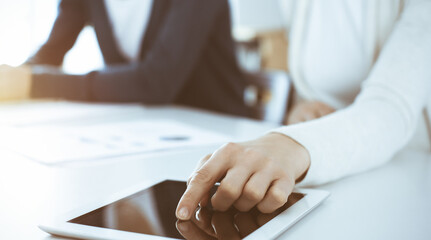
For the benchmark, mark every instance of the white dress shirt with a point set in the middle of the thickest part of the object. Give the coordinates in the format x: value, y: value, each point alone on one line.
x: 129, y: 20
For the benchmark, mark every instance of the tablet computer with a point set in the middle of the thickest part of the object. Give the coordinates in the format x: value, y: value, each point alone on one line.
x: 148, y: 212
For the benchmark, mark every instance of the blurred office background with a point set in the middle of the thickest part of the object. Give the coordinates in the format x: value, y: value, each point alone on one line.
x: 258, y: 27
x: 24, y: 27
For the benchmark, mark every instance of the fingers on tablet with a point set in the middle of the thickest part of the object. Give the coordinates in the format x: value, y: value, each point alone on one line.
x: 249, y: 179
x: 200, y: 183
x: 276, y: 196
x: 254, y: 191
x: 230, y: 188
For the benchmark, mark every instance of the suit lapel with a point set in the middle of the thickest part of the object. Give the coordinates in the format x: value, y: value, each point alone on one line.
x: 105, y: 35
x: 159, y: 10
x: 104, y: 32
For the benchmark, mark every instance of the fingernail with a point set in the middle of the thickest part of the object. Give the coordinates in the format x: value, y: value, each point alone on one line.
x: 183, y: 213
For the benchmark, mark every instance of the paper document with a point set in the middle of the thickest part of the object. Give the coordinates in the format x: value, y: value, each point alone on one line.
x: 59, y: 144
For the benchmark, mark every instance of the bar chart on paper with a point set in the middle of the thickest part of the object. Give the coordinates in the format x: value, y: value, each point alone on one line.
x: 59, y: 144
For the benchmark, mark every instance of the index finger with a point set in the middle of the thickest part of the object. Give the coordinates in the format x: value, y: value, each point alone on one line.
x: 200, y: 184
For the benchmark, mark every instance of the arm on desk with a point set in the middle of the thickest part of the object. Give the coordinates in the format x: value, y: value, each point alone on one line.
x: 384, y: 115
x: 364, y: 135
x: 164, y: 70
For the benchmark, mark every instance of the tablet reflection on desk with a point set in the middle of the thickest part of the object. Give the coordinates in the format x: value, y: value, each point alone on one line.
x: 232, y: 224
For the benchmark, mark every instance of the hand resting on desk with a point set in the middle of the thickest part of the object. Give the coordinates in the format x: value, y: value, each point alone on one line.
x: 15, y: 82
x: 308, y: 110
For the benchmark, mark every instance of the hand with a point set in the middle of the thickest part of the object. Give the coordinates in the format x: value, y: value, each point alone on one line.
x: 15, y: 83
x: 260, y: 173
x: 309, y: 110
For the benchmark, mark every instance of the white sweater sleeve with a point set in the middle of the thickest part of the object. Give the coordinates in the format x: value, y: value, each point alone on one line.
x: 384, y: 115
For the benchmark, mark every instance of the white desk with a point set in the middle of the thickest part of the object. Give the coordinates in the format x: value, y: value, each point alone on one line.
x: 391, y: 202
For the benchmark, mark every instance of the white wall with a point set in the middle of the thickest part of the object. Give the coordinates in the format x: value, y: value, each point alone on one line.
x: 24, y: 24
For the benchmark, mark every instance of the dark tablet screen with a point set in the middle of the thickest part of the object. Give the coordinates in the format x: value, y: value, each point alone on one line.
x: 152, y: 211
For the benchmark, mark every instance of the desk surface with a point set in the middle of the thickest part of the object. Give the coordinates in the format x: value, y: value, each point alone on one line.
x: 390, y: 202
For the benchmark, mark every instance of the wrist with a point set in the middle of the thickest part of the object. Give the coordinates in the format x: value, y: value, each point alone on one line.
x: 300, y: 159
x: 26, y: 78
x: 297, y: 157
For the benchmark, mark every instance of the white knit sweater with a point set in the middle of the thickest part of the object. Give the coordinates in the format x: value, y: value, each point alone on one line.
x: 384, y: 115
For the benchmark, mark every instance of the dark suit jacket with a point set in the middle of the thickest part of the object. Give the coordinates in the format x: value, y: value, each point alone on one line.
x: 187, y: 57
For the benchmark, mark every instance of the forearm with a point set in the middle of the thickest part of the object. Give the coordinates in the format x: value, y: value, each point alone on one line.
x: 349, y: 141
x: 49, y: 82
x: 132, y: 83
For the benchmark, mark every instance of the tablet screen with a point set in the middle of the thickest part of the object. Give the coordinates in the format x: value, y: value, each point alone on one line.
x: 152, y: 211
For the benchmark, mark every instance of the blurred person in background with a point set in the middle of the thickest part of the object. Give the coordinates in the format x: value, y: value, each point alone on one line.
x: 155, y: 52
x: 362, y: 68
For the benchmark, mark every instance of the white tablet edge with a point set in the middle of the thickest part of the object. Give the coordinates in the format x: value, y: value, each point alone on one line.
x: 283, y: 221
x: 270, y: 230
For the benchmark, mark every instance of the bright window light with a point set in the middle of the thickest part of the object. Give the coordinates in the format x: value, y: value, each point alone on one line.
x: 25, y: 26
